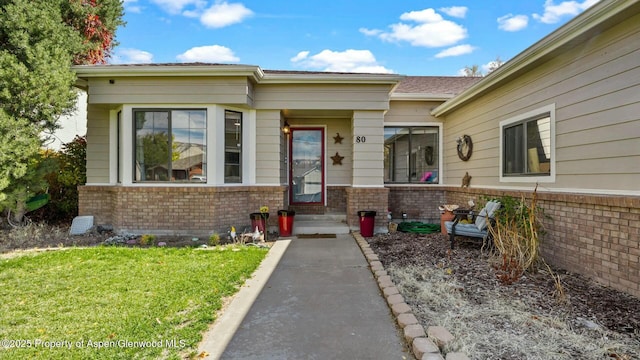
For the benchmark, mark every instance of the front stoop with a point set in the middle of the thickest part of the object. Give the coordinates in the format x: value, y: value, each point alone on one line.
x: 308, y: 224
x: 424, y: 344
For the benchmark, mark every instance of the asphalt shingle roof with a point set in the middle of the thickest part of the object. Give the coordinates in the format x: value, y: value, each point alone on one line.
x: 435, y: 84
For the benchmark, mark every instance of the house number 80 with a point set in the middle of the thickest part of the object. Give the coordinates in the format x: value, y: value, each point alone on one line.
x: 361, y: 139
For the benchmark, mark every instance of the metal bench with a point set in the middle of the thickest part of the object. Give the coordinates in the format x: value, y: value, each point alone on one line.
x: 478, y: 228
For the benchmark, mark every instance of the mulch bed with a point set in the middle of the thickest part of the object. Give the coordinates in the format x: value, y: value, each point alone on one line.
x: 586, y: 303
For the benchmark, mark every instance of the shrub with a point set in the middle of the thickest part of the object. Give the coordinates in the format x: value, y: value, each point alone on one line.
x: 70, y: 172
x: 148, y: 239
x: 214, y: 239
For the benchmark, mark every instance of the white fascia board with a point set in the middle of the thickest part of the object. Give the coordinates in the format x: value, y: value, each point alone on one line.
x: 582, y: 24
x: 95, y: 71
x: 330, y: 78
x: 420, y: 97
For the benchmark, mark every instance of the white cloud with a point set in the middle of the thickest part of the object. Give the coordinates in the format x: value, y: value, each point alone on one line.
x: 131, y: 56
x: 209, y: 54
x: 301, y: 56
x: 220, y: 14
x: 456, y: 51
x: 554, y: 12
x: 358, y: 61
x: 370, y: 32
x: 223, y: 14
x: 512, y: 22
x: 455, y: 11
x: 431, y: 30
x: 422, y: 16
x: 129, y: 6
x: 176, y: 6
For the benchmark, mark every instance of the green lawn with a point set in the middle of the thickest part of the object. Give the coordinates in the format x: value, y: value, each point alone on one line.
x: 115, y: 303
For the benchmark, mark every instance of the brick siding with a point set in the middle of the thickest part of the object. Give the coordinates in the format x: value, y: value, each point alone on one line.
x: 179, y: 210
x: 376, y: 199
x: 419, y: 203
x: 336, y: 199
x: 594, y: 235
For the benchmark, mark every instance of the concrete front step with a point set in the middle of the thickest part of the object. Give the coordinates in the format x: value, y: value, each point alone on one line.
x: 320, y: 224
x: 337, y: 217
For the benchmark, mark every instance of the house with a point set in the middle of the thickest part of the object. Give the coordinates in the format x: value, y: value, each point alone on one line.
x: 564, y: 114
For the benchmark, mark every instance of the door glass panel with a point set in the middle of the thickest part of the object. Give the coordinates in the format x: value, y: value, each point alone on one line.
x: 307, y: 172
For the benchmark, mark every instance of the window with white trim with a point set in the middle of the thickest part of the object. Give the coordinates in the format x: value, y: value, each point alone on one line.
x: 170, y: 145
x: 411, y: 154
x: 232, y: 147
x: 527, y: 145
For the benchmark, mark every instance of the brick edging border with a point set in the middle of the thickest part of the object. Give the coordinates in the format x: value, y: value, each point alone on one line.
x: 424, y: 345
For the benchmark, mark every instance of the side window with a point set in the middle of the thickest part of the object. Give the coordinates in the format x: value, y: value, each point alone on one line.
x: 527, y: 146
x: 232, y: 147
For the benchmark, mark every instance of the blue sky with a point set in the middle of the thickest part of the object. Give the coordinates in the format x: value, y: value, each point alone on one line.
x: 406, y: 37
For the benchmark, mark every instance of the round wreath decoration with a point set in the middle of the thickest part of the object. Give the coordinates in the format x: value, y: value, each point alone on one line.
x: 465, y: 147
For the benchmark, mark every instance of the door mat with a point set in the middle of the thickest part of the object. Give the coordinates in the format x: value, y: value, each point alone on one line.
x: 316, y: 236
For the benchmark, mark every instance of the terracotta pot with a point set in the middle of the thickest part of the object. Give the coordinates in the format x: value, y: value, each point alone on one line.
x: 445, y: 216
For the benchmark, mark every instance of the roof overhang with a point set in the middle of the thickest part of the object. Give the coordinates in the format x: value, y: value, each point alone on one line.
x: 420, y: 97
x: 330, y: 78
x: 599, y: 17
x: 171, y: 70
x: 253, y: 72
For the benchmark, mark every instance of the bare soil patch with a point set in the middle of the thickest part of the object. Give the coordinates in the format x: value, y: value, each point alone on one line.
x: 459, y: 290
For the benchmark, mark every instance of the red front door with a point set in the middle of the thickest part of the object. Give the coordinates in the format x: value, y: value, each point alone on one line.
x: 306, y: 173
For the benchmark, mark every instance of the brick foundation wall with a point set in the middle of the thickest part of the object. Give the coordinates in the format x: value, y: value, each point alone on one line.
x: 97, y: 201
x: 594, y: 235
x: 336, y: 199
x: 420, y: 203
x: 376, y: 199
x: 179, y: 210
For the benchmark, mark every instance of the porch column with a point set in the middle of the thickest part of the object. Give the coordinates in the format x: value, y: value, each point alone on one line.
x: 368, y: 191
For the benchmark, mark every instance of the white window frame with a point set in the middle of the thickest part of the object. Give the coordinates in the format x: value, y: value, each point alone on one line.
x: 440, y: 160
x: 215, y: 146
x: 551, y: 109
x: 248, y: 146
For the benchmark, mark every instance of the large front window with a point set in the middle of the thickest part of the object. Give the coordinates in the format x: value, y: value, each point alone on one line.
x: 527, y: 146
x: 170, y: 145
x: 411, y: 154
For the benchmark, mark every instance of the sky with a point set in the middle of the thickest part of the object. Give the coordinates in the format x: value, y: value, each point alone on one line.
x: 408, y: 37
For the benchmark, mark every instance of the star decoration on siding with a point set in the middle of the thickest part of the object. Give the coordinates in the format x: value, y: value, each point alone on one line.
x: 337, y: 159
x: 338, y: 139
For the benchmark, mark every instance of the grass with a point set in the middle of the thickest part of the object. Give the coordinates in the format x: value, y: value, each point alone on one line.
x: 116, y: 303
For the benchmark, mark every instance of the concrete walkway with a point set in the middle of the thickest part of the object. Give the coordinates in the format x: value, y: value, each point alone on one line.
x: 320, y: 302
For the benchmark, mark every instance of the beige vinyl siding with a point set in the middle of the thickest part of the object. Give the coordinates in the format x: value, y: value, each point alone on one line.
x: 411, y: 112
x: 268, y: 148
x: 368, y: 156
x: 284, y: 156
x: 595, y: 87
x: 170, y: 90
x: 322, y: 96
x: 97, y: 144
x: 339, y: 174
